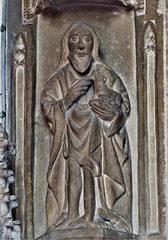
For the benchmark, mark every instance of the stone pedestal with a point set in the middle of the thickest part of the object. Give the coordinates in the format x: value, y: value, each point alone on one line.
x: 86, y: 234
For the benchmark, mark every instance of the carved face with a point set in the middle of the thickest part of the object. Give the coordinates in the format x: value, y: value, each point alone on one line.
x: 80, y: 44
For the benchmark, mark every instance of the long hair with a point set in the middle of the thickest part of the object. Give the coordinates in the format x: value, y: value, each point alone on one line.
x: 64, y: 44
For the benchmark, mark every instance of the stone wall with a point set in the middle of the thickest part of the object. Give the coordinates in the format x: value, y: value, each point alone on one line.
x: 133, y: 38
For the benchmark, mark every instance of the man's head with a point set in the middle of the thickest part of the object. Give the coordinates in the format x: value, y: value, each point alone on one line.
x: 80, y: 45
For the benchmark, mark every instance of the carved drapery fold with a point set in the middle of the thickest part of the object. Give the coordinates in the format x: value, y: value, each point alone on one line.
x: 150, y: 60
x: 9, y: 229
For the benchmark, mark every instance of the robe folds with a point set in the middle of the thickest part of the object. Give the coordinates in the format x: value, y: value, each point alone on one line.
x: 106, y: 142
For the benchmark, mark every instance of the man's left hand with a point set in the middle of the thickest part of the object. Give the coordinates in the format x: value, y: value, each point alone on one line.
x: 104, y: 109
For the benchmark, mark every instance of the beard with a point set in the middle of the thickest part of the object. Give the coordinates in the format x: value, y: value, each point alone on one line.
x: 81, y: 64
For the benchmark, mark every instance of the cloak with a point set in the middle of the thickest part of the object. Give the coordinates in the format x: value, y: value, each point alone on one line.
x: 110, y: 149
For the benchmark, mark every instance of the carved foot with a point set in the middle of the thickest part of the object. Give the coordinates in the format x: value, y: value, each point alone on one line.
x: 103, y: 224
x: 121, y: 225
x: 116, y: 221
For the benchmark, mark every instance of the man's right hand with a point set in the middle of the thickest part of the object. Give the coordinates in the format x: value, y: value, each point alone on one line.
x: 76, y: 90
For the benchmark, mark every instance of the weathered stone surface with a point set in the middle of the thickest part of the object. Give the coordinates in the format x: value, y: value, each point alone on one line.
x: 115, y: 60
x: 133, y: 43
x: 49, y: 5
x: 9, y: 229
x: 86, y: 106
x: 89, y: 234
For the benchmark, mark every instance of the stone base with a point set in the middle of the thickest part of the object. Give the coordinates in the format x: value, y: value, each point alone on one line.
x: 86, y: 234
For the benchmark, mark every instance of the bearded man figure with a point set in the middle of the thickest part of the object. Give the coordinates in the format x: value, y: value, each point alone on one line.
x: 86, y: 106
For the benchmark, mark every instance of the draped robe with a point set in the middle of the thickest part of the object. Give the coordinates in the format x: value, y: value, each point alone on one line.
x: 78, y: 133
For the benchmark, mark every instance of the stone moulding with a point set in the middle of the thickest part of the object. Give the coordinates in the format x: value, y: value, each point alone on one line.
x: 32, y: 7
x: 19, y: 51
x: 149, y: 37
x: 27, y: 12
x: 19, y: 68
x: 150, y: 60
x: 40, y: 6
x: 97, y: 233
x: 136, y: 225
x: 140, y: 6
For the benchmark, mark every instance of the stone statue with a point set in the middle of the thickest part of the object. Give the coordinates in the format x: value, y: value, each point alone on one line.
x: 86, y: 106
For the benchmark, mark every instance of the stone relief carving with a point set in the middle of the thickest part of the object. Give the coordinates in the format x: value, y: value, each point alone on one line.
x: 150, y: 65
x: 42, y: 5
x: 19, y: 74
x: 27, y: 11
x: 140, y: 7
x: 149, y: 38
x: 86, y: 106
x: 9, y: 229
x: 19, y: 50
x: 139, y: 4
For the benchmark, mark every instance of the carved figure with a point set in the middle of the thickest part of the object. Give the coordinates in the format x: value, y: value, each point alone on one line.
x: 86, y: 106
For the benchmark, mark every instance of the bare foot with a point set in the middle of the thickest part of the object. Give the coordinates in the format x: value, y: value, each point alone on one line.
x: 120, y: 225
x: 103, y: 224
x: 115, y: 220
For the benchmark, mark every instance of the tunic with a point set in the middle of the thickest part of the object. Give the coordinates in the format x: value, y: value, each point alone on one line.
x: 80, y: 134
x: 79, y: 124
